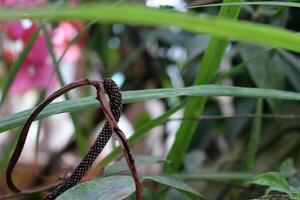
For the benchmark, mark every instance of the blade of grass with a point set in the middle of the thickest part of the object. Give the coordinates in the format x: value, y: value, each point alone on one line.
x: 193, y: 22
x: 215, y: 176
x: 258, y: 3
x: 86, y: 103
x: 140, y: 134
x: 16, y: 66
x: 242, y: 65
x: 195, y: 106
x: 254, y: 138
x: 80, y: 140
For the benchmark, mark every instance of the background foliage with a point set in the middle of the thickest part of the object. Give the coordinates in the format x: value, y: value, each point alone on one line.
x: 187, y: 58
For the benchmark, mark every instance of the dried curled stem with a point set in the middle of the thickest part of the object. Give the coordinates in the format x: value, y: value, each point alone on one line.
x: 112, y: 115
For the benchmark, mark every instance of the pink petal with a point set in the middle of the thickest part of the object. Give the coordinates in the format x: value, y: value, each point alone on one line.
x: 73, y: 54
x: 39, y: 52
x: 14, y: 30
x: 45, y: 77
x: 7, y: 2
x: 21, y: 83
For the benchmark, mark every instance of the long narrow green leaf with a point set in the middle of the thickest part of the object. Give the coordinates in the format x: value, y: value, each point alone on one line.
x: 254, y: 138
x: 215, y: 176
x: 242, y: 65
x: 221, y: 27
x: 85, y: 103
x: 206, y: 74
x: 258, y: 3
x: 16, y: 66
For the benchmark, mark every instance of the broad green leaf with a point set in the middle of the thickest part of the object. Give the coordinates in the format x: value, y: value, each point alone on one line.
x: 206, y: 74
x: 274, y: 180
x: 140, y: 161
x: 147, y: 195
x: 85, y: 103
x: 193, y: 22
x: 107, y: 188
x: 176, y: 184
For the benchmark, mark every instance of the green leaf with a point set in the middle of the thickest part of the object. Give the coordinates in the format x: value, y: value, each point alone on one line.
x: 274, y: 180
x: 242, y: 65
x: 176, y: 184
x: 266, y: 71
x: 140, y: 161
x: 86, y: 103
x: 107, y: 188
x: 259, y: 3
x: 214, y: 176
x: 254, y: 138
x: 206, y: 74
x: 16, y: 66
x: 141, y: 15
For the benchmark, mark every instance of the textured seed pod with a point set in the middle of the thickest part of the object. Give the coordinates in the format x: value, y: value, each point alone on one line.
x: 115, y: 98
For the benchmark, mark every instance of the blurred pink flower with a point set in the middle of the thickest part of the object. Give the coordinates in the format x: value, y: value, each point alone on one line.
x: 21, y: 3
x: 36, y: 70
x: 62, y: 36
x: 14, y: 30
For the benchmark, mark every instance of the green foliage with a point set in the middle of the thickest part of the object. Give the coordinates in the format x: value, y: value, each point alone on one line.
x: 121, y: 167
x: 205, y: 75
x: 85, y: 103
x: 273, y: 180
x: 123, y: 13
x: 176, y: 184
x: 264, y: 74
x: 107, y: 188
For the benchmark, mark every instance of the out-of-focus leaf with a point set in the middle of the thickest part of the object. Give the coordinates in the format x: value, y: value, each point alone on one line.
x: 254, y: 138
x: 195, y: 106
x: 140, y: 161
x: 261, y: 3
x: 234, y: 127
x: 214, y: 176
x: 177, y: 184
x: 291, y: 67
x: 107, y: 188
x: 291, y: 58
x: 196, y: 45
x: 274, y: 180
x: 287, y: 168
x: 266, y: 70
x: 141, y: 15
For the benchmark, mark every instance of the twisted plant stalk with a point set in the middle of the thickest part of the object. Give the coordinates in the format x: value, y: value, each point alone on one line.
x: 112, y: 115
